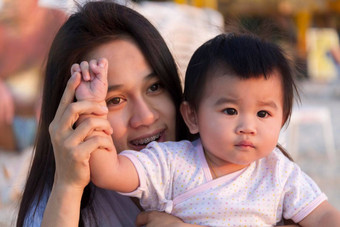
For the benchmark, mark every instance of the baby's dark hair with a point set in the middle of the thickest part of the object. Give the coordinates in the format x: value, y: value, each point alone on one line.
x: 242, y: 55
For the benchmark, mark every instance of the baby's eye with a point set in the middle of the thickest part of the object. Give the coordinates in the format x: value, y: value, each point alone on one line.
x: 155, y: 87
x: 230, y: 111
x: 262, y: 114
x: 114, y: 101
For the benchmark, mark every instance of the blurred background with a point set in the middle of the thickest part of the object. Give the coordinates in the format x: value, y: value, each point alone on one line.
x: 307, y: 30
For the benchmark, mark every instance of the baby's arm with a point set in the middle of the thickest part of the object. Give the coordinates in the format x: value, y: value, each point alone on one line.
x: 113, y: 172
x: 324, y: 215
x: 107, y: 169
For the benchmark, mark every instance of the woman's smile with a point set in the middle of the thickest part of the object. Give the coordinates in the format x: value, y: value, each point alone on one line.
x: 141, y: 142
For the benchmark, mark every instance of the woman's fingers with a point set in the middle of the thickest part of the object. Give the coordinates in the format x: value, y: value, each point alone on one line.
x: 148, y: 218
x: 54, y: 128
x: 68, y: 95
x: 88, y: 126
x: 142, y: 218
x: 103, y: 142
x: 72, y: 149
x: 72, y: 112
x: 157, y: 218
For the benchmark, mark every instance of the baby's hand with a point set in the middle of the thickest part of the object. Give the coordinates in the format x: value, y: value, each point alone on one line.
x: 93, y: 86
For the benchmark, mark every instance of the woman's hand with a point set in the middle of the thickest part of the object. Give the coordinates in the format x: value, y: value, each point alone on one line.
x: 73, y: 147
x: 72, y: 150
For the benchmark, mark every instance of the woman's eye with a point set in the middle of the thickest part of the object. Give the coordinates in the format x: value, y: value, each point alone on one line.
x: 262, y: 114
x: 230, y: 111
x: 114, y: 101
x: 154, y: 87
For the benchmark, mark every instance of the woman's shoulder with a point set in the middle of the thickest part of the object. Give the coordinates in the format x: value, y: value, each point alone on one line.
x: 112, y: 209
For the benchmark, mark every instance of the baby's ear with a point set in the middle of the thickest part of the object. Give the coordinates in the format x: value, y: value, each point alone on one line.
x: 190, y: 117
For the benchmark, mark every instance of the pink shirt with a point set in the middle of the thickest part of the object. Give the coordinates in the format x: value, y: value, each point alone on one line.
x: 175, y: 178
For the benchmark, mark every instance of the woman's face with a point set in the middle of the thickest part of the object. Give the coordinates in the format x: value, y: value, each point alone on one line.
x: 140, y: 109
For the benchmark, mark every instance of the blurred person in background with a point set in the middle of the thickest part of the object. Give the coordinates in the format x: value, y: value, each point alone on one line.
x: 26, y: 33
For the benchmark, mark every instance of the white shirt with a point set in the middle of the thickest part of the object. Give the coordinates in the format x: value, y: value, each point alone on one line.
x: 175, y: 177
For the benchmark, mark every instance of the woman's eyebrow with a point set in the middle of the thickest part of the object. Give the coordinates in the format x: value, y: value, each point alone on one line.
x: 150, y: 76
x: 114, y: 87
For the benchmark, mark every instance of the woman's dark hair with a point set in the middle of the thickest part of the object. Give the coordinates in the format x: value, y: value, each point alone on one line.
x: 243, y: 55
x: 94, y: 24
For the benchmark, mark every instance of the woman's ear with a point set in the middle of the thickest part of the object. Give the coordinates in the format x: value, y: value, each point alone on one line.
x: 190, y: 117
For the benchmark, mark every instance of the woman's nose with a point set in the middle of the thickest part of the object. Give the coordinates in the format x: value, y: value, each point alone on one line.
x: 143, y: 114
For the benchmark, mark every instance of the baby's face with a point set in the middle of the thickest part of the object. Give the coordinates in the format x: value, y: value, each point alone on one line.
x: 239, y: 121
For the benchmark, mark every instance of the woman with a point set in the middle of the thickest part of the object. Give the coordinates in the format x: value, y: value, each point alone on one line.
x: 56, y: 184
